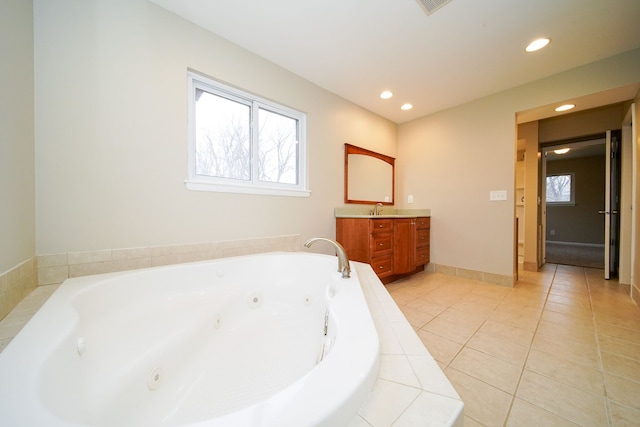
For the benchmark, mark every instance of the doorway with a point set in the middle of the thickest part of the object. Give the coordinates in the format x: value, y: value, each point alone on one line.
x: 544, y: 130
x: 575, y: 217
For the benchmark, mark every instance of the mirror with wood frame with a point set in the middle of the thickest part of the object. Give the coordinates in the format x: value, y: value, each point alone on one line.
x: 369, y: 177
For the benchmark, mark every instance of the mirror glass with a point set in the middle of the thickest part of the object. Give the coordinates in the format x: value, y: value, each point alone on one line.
x: 368, y: 176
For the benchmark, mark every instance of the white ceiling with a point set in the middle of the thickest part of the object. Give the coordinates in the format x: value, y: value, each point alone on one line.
x: 465, y: 50
x: 596, y: 147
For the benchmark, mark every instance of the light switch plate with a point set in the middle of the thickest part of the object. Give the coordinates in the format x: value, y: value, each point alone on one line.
x: 497, y: 195
x: 410, y: 198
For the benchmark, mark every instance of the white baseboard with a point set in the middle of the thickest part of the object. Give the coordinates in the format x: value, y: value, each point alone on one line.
x: 590, y: 245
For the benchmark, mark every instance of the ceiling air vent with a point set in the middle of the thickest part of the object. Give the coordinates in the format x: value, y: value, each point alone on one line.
x: 431, y: 6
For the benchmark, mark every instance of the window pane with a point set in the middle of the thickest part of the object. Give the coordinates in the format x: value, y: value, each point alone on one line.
x: 222, y: 130
x: 559, y: 188
x: 277, y: 148
x: 241, y: 143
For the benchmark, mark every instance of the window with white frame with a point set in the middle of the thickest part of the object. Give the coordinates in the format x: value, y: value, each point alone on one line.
x: 560, y: 189
x: 241, y: 143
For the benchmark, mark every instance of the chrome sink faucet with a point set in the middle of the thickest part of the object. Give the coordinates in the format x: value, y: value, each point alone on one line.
x: 343, y: 260
x: 377, y: 209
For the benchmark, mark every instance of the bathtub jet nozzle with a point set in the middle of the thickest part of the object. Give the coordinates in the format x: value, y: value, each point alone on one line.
x: 343, y: 260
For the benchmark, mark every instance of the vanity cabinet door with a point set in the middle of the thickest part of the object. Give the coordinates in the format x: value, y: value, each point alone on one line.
x: 353, y: 234
x: 404, y: 245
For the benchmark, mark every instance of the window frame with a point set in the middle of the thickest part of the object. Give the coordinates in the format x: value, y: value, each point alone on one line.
x: 198, y: 182
x: 572, y: 196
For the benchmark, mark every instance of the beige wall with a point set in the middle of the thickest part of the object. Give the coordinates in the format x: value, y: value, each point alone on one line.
x: 450, y: 160
x: 111, y: 134
x: 529, y: 133
x: 583, y: 123
x: 17, y: 179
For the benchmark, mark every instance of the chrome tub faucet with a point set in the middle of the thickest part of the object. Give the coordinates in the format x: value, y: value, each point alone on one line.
x: 343, y: 260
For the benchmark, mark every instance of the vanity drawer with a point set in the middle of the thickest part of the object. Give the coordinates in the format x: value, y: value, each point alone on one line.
x: 423, y: 222
x: 382, y: 265
x: 381, y: 244
x: 422, y: 255
x: 422, y: 237
x: 380, y: 225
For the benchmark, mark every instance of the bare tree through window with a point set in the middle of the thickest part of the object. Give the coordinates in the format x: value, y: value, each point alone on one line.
x: 223, y: 147
x: 559, y: 188
x: 242, y: 143
x: 278, y: 148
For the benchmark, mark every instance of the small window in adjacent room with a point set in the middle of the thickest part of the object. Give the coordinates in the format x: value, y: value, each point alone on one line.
x: 561, y: 189
x: 240, y: 143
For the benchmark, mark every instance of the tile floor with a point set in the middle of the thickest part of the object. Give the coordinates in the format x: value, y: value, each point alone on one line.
x: 561, y: 348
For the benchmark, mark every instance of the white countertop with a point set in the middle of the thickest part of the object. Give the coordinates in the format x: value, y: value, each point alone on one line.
x: 386, y: 212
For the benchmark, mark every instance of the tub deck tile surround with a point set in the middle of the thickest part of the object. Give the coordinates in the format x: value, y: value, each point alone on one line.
x: 411, y: 389
x: 20, y: 315
x: 56, y: 268
x: 15, y: 284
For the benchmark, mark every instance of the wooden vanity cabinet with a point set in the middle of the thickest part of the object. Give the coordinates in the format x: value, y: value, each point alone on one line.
x: 423, y: 238
x: 394, y: 247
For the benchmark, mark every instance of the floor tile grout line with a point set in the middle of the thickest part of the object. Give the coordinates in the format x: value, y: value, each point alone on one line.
x: 524, y: 365
x: 607, y: 403
x: 448, y: 364
x: 513, y: 395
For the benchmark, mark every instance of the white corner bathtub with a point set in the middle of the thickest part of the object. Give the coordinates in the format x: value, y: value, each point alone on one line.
x: 230, y: 342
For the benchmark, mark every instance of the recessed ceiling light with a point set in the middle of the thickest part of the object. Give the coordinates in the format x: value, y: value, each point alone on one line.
x: 562, y: 151
x: 406, y: 107
x: 565, y: 107
x: 386, y: 94
x: 537, y: 44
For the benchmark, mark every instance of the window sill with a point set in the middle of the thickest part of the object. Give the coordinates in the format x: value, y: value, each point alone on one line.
x: 238, y: 189
x: 550, y: 204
